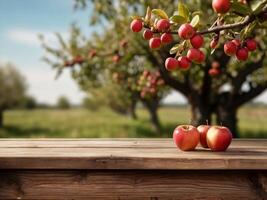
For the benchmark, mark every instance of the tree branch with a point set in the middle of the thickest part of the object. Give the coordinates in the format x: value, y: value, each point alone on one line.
x: 213, y: 29
x: 242, y: 74
x: 252, y: 93
x: 246, y: 21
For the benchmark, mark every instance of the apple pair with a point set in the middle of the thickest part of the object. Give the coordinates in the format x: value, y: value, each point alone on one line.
x: 187, y: 137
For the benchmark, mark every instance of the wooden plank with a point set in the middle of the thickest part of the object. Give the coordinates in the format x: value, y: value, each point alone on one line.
x: 100, y: 159
x: 132, y: 152
x: 112, y: 143
x: 129, y: 154
x: 86, y: 143
x: 84, y: 184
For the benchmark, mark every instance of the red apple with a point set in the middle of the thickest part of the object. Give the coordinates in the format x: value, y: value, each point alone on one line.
x: 201, y: 58
x: 163, y: 25
x: 236, y: 42
x: 148, y: 34
x: 219, y: 138
x: 186, y: 31
x: 214, y: 72
x: 186, y: 137
x: 221, y: 6
x: 155, y: 42
x: 230, y: 48
x: 184, y: 63
x: 242, y: 54
x: 251, y: 44
x: 166, y: 38
x: 136, y: 25
x: 197, y: 41
x: 193, y: 55
x: 171, y: 64
x: 203, y: 129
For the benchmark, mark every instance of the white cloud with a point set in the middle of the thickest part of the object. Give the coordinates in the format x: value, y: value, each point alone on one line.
x: 46, y: 89
x: 174, y: 98
x: 30, y: 37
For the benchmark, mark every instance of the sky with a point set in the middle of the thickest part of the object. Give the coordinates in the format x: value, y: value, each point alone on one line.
x: 20, y: 24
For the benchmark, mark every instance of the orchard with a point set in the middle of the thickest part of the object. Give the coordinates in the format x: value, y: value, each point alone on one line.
x: 211, y: 52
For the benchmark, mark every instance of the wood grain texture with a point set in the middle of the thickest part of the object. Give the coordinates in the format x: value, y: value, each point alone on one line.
x: 114, y: 184
x: 157, y: 154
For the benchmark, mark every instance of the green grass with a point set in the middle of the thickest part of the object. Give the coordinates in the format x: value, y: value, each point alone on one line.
x: 105, y: 123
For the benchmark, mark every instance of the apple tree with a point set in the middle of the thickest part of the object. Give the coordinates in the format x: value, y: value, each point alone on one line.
x: 12, y: 90
x: 113, y: 76
x: 212, y: 52
x: 221, y: 59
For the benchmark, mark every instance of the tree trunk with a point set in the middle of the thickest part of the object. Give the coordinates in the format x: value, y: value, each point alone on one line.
x: 132, y: 110
x: 200, y: 115
x: 226, y: 116
x: 152, y: 107
x: 200, y: 110
x: 1, y: 118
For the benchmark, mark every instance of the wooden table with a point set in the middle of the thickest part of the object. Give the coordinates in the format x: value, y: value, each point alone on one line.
x: 130, y: 169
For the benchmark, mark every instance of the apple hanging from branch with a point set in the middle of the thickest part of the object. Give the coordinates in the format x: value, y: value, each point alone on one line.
x: 159, y: 27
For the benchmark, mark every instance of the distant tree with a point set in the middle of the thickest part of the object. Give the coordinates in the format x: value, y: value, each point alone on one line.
x: 12, y: 88
x: 90, y: 103
x: 28, y: 102
x: 63, y: 103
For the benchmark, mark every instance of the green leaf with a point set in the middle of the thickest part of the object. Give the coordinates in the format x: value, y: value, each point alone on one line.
x: 148, y: 15
x: 195, y: 21
x: 248, y: 30
x: 212, y: 51
x: 257, y: 6
x: 160, y: 13
x: 178, y: 19
x: 183, y: 11
x: 176, y: 48
x: 240, y: 8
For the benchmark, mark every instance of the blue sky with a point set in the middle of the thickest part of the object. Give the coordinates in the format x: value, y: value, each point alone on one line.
x: 21, y: 22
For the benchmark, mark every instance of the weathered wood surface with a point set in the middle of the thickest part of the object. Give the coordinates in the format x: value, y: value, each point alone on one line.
x: 135, y: 169
x: 157, y: 154
x: 129, y: 184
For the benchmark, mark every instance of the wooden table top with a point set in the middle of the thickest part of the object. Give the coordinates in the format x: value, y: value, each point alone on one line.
x: 157, y: 154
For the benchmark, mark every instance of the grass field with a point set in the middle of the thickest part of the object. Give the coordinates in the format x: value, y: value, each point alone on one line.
x: 105, y: 123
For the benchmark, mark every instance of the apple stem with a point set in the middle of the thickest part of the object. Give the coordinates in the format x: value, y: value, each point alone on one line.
x: 221, y: 123
x: 207, y: 121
